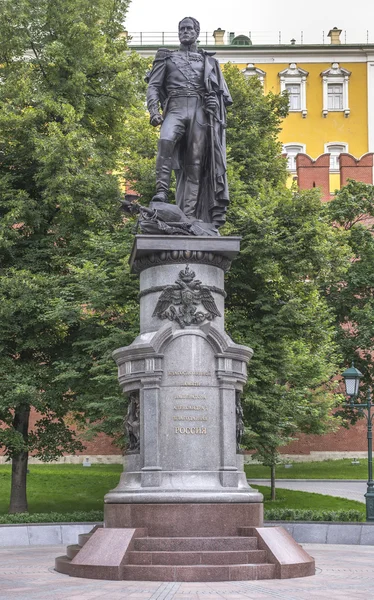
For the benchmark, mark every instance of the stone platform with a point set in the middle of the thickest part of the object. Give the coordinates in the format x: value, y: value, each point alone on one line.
x: 252, y: 554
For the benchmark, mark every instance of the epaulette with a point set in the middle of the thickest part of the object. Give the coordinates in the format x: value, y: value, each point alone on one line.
x: 163, y: 53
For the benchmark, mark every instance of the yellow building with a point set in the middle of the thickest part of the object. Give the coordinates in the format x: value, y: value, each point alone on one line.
x: 331, y: 90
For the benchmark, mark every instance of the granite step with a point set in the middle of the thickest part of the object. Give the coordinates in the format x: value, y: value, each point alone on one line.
x: 62, y: 565
x: 223, y: 557
x: 195, y: 544
x: 239, y: 572
x: 83, y: 537
x: 72, y: 550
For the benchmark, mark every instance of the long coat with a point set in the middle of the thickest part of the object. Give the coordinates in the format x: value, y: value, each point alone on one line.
x: 213, y: 193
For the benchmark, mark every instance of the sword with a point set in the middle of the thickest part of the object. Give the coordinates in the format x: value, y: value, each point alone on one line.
x: 212, y: 157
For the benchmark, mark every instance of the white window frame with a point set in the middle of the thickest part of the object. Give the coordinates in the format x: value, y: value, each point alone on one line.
x: 328, y: 146
x: 252, y: 71
x: 295, y: 75
x: 340, y: 95
x: 289, y: 145
x: 292, y: 94
x: 336, y: 75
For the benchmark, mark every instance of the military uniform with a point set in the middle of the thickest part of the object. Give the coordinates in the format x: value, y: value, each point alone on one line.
x: 179, y: 81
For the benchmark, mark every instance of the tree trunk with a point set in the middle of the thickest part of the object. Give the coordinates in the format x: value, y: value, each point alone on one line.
x: 18, y: 493
x: 272, y: 478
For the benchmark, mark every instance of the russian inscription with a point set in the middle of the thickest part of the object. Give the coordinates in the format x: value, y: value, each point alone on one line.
x: 191, y: 430
x: 189, y: 373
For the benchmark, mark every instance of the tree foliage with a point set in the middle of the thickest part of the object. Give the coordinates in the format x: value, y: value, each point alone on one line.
x: 275, y: 302
x: 67, y: 87
x: 275, y: 305
x: 253, y: 124
x: 352, y: 297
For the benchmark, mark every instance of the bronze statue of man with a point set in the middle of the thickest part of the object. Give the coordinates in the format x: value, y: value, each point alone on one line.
x: 189, y: 87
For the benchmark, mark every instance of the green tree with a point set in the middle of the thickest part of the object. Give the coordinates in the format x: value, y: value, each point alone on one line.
x: 274, y: 303
x: 68, y: 86
x: 275, y: 306
x: 352, y: 297
x: 253, y: 124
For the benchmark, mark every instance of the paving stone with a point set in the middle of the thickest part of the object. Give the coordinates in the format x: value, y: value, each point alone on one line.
x: 343, y: 573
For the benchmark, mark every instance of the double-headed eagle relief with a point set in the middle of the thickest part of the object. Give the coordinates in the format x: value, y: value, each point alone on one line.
x: 186, y: 294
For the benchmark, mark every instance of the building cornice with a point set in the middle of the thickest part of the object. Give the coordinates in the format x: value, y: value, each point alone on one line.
x: 316, y: 53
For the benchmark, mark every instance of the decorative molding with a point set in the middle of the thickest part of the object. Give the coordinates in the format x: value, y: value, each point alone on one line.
x: 252, y: 71
x: 132, y: 423
x: 186, y: 293
x: 240, y: 429
x: 297, y: 76
x: 274, y: 54
x: 160, y: 288
x: 167, y: 257
x: 339, y: 76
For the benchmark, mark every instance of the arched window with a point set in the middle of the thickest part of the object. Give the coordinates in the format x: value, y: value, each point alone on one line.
x: 292, y: 150
x: 335, y: 149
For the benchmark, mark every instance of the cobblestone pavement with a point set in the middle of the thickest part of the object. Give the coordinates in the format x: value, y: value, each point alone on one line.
x: 343, y: 572
x: 351, y: 489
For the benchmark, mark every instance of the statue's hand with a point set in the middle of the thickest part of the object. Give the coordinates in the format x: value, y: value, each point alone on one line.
x: 211, y: 102
x: 156, y: 119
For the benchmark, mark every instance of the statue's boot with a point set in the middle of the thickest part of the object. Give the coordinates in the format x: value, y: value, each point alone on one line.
x: 163, y: 170
x: 191, y: 190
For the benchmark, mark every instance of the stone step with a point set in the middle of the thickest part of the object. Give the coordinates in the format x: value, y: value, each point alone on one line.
x: 198, y: 572
x: 195, y: 544
x: 83, y: 537
x: 233, y: 557
x: 72, y: 550
x: 62, y: 564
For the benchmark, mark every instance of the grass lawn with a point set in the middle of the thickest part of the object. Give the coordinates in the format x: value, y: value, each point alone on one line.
x: 327, y: 469
x: 68, y: 488
x: 308, y: 501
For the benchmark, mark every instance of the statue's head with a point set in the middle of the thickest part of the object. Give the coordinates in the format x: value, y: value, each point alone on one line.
x: 188, y: 31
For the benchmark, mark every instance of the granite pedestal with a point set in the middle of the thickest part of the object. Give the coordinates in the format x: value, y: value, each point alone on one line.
x: 183, y: 496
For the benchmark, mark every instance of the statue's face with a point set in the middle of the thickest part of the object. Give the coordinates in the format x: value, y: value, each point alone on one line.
x: 187, y: 33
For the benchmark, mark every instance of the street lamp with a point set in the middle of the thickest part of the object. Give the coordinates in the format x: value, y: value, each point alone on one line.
x: 352, y: 378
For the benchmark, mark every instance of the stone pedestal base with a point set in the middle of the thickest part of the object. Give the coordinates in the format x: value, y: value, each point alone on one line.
x: 136, y: 554
x: 185, y: 520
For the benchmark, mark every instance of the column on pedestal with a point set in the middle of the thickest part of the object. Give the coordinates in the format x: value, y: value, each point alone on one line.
x: 228, y: 468
x: 150, y: 411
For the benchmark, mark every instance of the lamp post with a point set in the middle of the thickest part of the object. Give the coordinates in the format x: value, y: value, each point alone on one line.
x: 352, y: 378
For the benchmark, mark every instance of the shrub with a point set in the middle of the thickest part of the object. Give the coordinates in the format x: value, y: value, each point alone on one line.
x: 53, y: 517
x: 291, y: 514
x: 271, y: 514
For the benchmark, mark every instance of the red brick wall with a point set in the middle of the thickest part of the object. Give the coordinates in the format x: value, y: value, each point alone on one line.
x: 101, y: 444
x: 344, y: 440
x: 359, y: 169
x: 314, y: 173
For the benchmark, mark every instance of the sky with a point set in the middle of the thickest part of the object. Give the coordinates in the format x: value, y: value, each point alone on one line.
x: 265, y: 17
